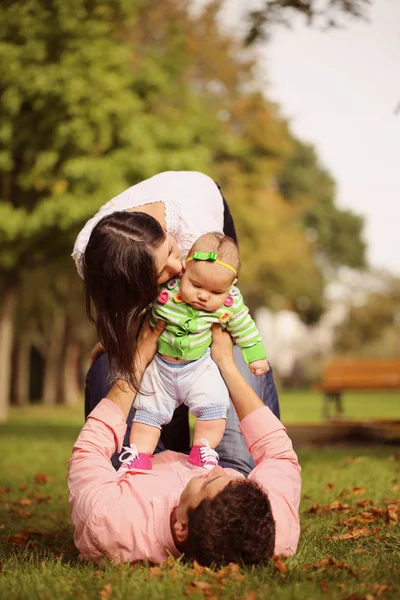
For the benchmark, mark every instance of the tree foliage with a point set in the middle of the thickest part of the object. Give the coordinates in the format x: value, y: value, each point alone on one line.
x: 337, y: 232
x: 328, y: 14
x: 373, y: 327
x: 98, y: 95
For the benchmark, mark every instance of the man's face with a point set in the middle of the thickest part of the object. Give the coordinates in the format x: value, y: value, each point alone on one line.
x: 205, y: 486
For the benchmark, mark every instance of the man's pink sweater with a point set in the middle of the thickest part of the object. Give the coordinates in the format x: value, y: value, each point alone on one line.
x: 126, y: 516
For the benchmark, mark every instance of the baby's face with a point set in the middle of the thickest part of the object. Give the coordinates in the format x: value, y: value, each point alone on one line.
x: 205, y: 286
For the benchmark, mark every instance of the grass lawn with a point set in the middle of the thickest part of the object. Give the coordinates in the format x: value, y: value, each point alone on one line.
x: 305, y: 406
x: 38, y: 559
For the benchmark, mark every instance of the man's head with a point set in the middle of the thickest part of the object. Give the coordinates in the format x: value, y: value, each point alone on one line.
x: 223, y: 518
x: 205, y: 284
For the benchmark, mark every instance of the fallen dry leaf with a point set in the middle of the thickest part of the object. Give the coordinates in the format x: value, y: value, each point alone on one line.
x: 280, y: 565
x: 392, y: 511
x: 329, y: 563
x: 353, y: 534
x: 42, y: 478
x: 353, y: 460
x: 202, y: 585
x: 324, y: 587
x: 23, y: 486
x: 22, y: 513
x: 336, y: 505
x: 314, y: 508
x: 359, y: 551
x: 19, y: 539
x: 329, y: 485
x: 364, y: 503
x: 155, y: 572
x: 358, y: 490
x: 5, y: 490
x: 251, y: 595
x: 379, y: 588
x: 106, y: 592
x: 197, y: 567
x: 24, y: 502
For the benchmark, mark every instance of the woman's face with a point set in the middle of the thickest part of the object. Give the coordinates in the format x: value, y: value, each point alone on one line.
x: 168, y: 261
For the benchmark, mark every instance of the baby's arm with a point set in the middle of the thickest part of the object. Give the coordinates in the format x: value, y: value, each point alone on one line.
x: 246, y: 335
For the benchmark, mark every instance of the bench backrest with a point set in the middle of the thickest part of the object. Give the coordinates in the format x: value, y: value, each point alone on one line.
x: 361, y: 374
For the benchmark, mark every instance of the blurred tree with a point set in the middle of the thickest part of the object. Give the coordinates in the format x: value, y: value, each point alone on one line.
x: 373, y: 328
x: 328, y: 14
x: 99, y: 95
x: 71, y: 123
x: 337, y: 233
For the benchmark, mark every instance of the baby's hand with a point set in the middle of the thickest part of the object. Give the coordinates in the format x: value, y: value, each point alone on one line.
x: 259, y: 367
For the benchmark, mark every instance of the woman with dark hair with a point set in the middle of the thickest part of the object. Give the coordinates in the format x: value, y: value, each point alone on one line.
x: 132, y: 245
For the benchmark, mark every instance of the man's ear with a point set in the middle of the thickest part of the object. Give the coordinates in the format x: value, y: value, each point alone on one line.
x: 234, y: 281
x: 181, y: 531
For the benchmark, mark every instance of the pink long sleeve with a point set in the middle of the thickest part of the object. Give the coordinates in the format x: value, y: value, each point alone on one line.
x: 277, y: 470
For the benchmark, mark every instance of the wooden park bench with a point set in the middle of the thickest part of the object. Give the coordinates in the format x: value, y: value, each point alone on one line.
x: 357, y: 374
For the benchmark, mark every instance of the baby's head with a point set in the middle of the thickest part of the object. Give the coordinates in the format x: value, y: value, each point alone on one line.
x: 205, y: 284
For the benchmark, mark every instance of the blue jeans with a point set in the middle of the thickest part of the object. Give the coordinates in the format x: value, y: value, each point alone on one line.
x: 232, y: 450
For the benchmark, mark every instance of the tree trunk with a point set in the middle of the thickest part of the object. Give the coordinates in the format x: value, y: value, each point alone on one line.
x: 22, y: 371
x: 6, y: 343
x: 71, y: 385
x: 54, y: 360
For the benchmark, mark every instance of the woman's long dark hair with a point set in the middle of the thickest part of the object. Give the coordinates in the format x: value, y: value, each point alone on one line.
x: 121, y: 281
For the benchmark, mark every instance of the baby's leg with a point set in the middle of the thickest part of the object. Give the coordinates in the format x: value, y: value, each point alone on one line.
x: 145, y: 437
x: 152, y: 410
x: 212, y: 431
x: 207, y: 397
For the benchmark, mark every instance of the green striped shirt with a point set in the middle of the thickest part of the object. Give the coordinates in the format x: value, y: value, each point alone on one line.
x: 187, y: 334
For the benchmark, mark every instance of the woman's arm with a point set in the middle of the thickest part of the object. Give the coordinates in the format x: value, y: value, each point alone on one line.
x: 121, y: 394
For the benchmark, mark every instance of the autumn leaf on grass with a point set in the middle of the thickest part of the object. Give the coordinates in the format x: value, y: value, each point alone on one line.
x: 231, y: 572
x: 329, y: 486
x: 329, y: 563
x: 353, y: 534
x: 19, y: 539
x: 353, y: 460
x: 392, y: 511
x: 380, y: 588
x: 106, y: 592
x: 314, y: 508
x: 24, y: 502
x: 366, y: 516
x: 23, y: 486
x: 41, y: 478
x: 364, y: 503
x: 155, y: 572
x: 5, y: 490
x: 324, y: 587
x: 280, y: 565
x: 358, y: 490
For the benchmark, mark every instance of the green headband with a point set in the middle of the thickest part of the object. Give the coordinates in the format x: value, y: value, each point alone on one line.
x: 211, y: 256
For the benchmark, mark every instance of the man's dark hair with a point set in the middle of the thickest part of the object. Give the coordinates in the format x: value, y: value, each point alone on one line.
x: 235, y: 526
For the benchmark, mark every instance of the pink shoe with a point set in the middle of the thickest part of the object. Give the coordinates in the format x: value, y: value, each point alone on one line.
x: 203, y: 456
x: 132, y: 459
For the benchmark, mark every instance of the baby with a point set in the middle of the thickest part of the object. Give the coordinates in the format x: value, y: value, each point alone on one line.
x: 183, y: 370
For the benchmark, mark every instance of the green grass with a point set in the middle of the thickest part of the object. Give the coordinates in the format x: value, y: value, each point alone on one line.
x: 305, y: 406
x: 45, y: 564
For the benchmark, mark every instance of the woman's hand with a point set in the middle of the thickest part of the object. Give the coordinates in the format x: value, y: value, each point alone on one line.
x: 221, y: 347
x: 147, y: 345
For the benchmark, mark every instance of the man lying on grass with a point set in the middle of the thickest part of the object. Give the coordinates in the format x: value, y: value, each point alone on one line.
x: 215, y: 516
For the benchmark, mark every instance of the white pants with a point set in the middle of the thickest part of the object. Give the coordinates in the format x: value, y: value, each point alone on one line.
x: 165, y: 386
